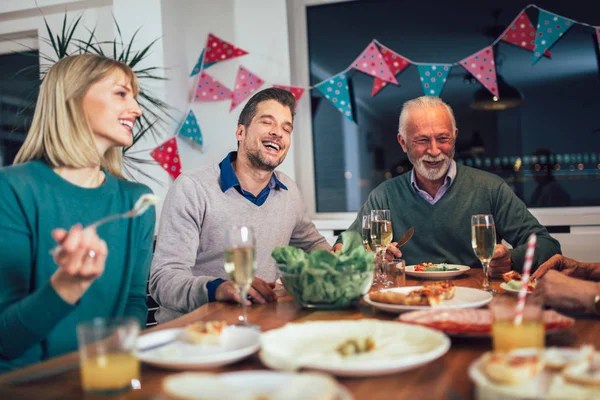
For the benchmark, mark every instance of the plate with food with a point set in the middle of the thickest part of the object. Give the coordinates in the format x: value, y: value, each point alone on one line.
x: 551, y: 373
x: 436, y: 271
x: 247, y: 385
x: 437, y: 295
x: 475, y: 322
x: 357, y: 348
x: 200, y: 345
x: 512, y: 282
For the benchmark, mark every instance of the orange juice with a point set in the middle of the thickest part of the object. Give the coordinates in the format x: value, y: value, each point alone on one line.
x: 109, y: 372
x: 508, y: 336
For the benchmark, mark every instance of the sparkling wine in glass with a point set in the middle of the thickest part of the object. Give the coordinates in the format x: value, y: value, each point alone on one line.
x: 483, y: 241
x: 240, y: 263
x: 366, y: 232
x: 381, y: 237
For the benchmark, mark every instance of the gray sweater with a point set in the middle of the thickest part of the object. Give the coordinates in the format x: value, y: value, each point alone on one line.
x: 190, y: 247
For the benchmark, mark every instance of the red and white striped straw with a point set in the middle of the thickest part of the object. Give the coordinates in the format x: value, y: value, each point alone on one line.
x: 525, y: 279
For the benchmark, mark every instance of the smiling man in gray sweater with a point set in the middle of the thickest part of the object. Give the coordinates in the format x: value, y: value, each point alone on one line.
x: 244, y: 189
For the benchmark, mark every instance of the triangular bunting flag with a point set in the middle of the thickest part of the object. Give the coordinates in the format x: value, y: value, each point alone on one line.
x: 433, y: 78
x: 395, y: 62
x: 337, y: 91
x: 246, y: 84
x: 191, y: 130
x: 597, y: 29
x: 550, y: 28
x: 371, y: 62
x: 481, y: 65
x: 295, y: 90
x: 198, y: 65
x: 167, y: 155
x: 522, y: 33
x: 219, y: 50
x: 209, y: 89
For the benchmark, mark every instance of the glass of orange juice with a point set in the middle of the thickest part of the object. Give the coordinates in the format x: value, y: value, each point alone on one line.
x: 106, y: 352
x: 508, y: 335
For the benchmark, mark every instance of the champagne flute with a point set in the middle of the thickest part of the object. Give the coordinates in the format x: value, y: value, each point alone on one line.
x: 240, y: 263
x: 366, y: 232
x: 381, y: 237
x: 483, y: 241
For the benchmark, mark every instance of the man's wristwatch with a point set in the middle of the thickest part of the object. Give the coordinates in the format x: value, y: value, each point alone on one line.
x: 596, y: 306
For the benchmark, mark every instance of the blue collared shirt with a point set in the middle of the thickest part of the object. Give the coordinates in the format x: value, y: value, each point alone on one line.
x: 441, y: 191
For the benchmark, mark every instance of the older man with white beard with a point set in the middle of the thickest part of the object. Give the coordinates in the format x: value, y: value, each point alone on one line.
x: 439, y: 197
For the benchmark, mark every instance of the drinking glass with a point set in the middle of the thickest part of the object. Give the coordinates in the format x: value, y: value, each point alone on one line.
x: 483, y: 241
x: 506, y: 335
x: 381, y: 237
x: 106, y: 352
x: 366, y: 232
x: 396, y: 272
x: 240, y: 263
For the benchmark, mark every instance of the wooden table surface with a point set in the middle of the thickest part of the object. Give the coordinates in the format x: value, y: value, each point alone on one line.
x: 445, y: 378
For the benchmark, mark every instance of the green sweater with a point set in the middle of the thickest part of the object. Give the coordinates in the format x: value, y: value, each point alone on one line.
x: 35, y: 323
x: 443, y: 230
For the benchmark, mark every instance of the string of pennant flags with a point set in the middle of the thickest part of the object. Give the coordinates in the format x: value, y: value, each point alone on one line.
x: 376, y: 60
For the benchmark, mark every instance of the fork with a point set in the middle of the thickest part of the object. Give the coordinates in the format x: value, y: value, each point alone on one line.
x: 141, y: 206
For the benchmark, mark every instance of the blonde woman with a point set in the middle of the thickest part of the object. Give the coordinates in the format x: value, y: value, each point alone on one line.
x: 68, y: 175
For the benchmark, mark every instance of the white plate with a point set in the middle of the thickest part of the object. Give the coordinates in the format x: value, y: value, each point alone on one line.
x: 410, y: 271
x: 535, y: 388
x: 236, y: 343
x: 505, y: 286
x: 246, y: 384
x: 463, y: 298
x: 398, y: 347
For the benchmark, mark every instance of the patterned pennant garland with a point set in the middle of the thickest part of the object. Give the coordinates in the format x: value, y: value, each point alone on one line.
x: 191, y: 130
x: 337, y: 91
x: 219, y: 50
x: 371, y: 62
x: 522, y: 33
x: 597, y: 29
x: 295, y: 90
x: 198, y: 65
x: 395, y: 62
x: 209, y: 89
x: 433, y: 78
x: 549, y: 29
x: 246, y: 84
x: 481, y: 65
x: 167, y: 155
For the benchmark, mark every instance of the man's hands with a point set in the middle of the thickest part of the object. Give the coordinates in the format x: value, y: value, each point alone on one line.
x: 261, y: 291
x: 501, y: 262
x: 567, y: 293
x: 567, y: 266
x: 80, y: 261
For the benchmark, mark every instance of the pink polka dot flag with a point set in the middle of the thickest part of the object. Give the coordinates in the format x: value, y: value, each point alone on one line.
x: 246, y: 83
x: 395, y: 62
x: 522, y: 33
x: 433, y: 77
x: 191, y: 130
x: 209, y: 89
x: 597, y: 29
x: 295, y: 90
x: 198, y: 65
x: 219, y: 50
x: 550, y: 28
x: 167, y: 155
x: 337, y: 91
x: 481, y: 65
x: 371, y: 62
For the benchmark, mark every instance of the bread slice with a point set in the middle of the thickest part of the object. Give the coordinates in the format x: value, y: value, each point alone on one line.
x: 202, y: 332
x: 511, y: 276
x: 511, y: 368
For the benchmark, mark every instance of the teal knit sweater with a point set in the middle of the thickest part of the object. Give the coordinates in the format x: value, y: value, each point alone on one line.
x: 35, y: 322
x: 443, y: 230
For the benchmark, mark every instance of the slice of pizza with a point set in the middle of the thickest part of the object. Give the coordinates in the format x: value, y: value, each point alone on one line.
x: 208, y: 332
x: 511, y: 276
x: 446, y: 288
x: 417, y: 297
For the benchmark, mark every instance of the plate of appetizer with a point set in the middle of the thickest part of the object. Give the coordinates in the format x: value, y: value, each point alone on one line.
x: 475, y: 322
x: 512, y: 282
x: 254, y: 385
x: 551, y: 373
x: 437, y: 295
x: 436, y: 271
x: 357, y: 348
x: 200, y: 345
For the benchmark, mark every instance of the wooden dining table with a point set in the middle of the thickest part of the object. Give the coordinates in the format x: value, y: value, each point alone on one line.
x: 444, y: 378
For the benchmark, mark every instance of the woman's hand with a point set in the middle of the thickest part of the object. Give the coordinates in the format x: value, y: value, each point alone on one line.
x: 80, y: 261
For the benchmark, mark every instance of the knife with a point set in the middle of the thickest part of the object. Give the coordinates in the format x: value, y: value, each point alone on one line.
x: 406, y: 237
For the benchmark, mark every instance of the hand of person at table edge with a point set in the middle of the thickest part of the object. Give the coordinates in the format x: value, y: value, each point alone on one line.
x: 391, y: 252
x: 501, y: 261
x: 80, y: 261
x: 567, y: 293
x: 260, y: 291
x: 569, y: 267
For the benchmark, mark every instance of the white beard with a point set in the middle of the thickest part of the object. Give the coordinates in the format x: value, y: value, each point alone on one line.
x: 431, y: 174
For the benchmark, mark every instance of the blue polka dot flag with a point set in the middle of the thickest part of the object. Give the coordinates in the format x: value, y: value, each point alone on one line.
x: 550, y: 28
x: 191, y: 130
x: 433, y: 77
x: 337, y: 91
x: 197, y: 67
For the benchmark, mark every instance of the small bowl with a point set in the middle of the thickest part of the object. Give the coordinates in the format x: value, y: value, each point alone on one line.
x: 311, y: 290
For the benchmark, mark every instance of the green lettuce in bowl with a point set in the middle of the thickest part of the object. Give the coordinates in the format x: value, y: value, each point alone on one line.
x: 324, y: 280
